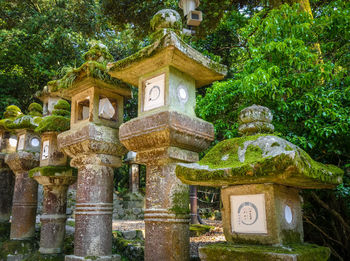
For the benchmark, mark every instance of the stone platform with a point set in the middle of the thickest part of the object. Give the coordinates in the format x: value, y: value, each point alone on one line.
x: 228, y: 251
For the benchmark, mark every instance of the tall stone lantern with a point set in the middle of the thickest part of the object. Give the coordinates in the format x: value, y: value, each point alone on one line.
x: 166, y: 131
x: 55, y: 175
x: 260, y: 176
x: 8, y: 144
x: 25, y: 158
x: 92, y: 143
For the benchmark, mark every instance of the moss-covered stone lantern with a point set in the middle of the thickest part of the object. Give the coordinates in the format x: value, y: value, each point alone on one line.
x: 260, y: 176
x: 25, y: 158
x: 166, y: 131
x: 7, y: 145
x: 55, y: 175
x: 92, y: 143
x: 48, y: 99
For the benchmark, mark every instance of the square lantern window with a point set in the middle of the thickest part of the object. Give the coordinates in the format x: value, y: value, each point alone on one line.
x: 10, y: 143
x: 50, y: 154
x: 28, y: 141
x: 107, y: 109
x: 83, y: 109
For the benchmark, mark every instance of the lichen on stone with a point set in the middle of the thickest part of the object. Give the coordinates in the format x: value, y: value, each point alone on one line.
x: 259, y: 159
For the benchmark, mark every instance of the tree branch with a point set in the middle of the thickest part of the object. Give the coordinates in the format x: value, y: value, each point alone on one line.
x: 331, y: 211
x: 307, y: 220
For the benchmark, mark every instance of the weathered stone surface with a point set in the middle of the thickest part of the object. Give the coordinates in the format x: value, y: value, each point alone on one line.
x: 259, y: 159
x: 53, y: 219
x: 166, y: 129
x: 91, y: 138
x: 7, y: 182
x: 229, y: 251
x: 54, y: 156
x: 25, y: 194
x: 168, y: 50
x: 255, y: 119
x: 166, y: 18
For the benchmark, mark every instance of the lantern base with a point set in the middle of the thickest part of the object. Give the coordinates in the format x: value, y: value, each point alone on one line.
x: 228, y: 251
x: 93, y: 258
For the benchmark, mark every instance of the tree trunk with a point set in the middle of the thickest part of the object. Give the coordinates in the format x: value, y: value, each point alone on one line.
x: 304, y: 4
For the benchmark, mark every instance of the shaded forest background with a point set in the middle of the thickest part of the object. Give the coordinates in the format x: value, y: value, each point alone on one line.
x: 278, y: 56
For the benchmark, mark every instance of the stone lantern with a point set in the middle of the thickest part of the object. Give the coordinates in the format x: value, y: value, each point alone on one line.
x: 55, y: 175
x: 7, y: 145
x: 260, y: 176
x: 48, y: 99
x: 25, y: 158
x: 166, y: 130
x: 134, y: 172
x: 92, y: 143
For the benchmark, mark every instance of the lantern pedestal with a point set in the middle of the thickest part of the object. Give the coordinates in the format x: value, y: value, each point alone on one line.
x: 53, y: 219
x: 228, y: 251
x: 161, y: 140
x: 95, y: 152
x: 7, y: 181
x: 25, y: 194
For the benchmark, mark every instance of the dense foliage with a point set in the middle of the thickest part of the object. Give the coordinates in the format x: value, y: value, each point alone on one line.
x: 274, y: 61
x: 282, y: 58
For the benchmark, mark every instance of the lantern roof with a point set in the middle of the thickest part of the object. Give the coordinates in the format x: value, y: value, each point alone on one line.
x: 167, y: 49
x: 91, y: 73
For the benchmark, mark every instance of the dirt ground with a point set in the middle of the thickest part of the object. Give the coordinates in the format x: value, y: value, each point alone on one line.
x: 216, y: 235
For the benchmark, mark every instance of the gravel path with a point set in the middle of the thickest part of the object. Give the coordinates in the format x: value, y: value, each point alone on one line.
x: 216, y: 235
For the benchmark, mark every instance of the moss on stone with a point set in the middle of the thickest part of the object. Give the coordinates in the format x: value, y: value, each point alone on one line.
x: 24, y: 122
x: 251, y: 159
x: 91, y: 69
x: 291, y: 236
x: 49, y: 171
x: 35, y: 108
x: 62, y: 105
x: 53, y: 123
x: 228, y: 251
x: 12, y: 111
x: 98, y: 52
x: 59, y: 121
x: 197, y: 230
x: 180, y: 202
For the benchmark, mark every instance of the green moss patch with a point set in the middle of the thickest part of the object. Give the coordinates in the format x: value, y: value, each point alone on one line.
x: 62, y: 105
x: 197, y: 230
x: 53, y: 123
x: 227, y: 251
x: 51, y: 171
x: 180, y: 202
x: 259, y: 159
x: 35, y: 109
x: 24, y: 122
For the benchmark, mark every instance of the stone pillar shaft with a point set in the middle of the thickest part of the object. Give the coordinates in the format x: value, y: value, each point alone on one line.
x: 53, y: 219
x: 7, y: 181
x: 134, y: 178
x: 25, y: 200
x: 94, y: 208
x: 194, y: 205
x: 166, y: 215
